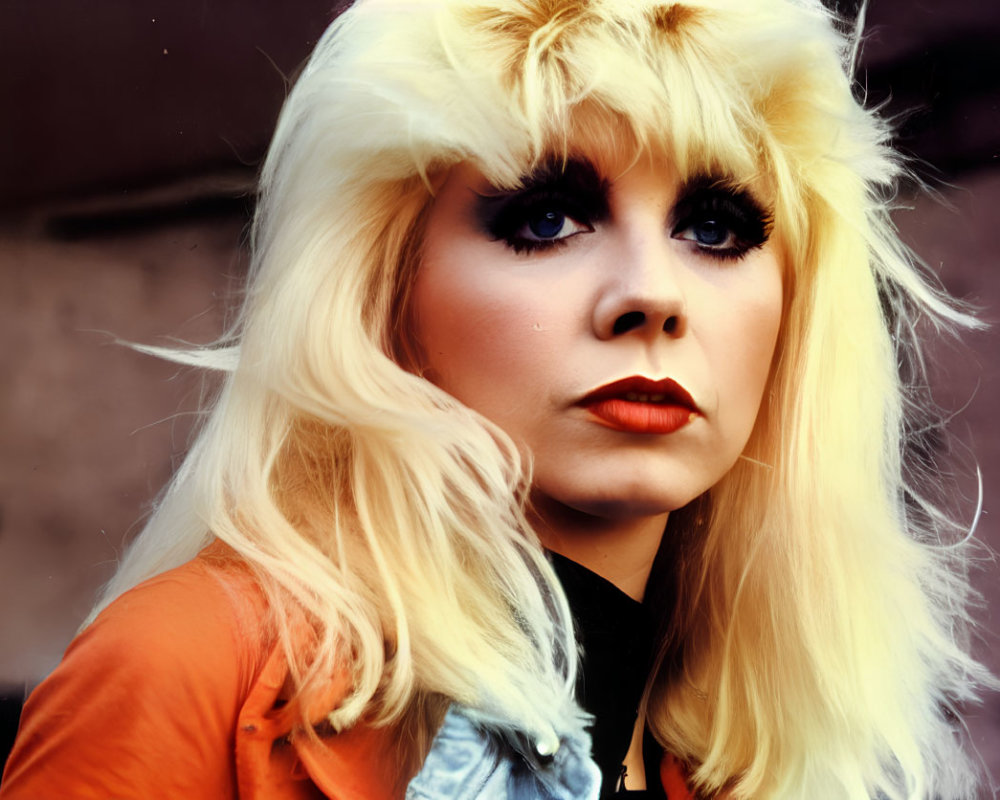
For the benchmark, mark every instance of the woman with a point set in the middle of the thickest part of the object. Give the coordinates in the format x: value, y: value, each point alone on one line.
x: 587, y: 299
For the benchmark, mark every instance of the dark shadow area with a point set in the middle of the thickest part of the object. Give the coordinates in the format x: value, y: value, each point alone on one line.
x: 11, y: 701
x: 945, y: 101
x: 79, y: 226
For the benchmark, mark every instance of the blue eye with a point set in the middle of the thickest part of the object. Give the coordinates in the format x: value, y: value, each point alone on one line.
x: 555, y: 202
x: 722, y: 222
x: 710, y: 233
x: 547, y: 225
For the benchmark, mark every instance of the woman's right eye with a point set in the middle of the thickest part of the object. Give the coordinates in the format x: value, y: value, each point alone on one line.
x: 534, y: 221
x: 546, y: 225
x: 556, y: 202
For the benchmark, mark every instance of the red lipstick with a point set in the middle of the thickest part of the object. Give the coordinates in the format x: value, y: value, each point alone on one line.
x: 641, y: 405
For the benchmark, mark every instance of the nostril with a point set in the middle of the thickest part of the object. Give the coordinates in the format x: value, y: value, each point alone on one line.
x: 671, y: 325
x: 628, y: 322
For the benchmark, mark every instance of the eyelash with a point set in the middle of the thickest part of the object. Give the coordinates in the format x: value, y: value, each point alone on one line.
x: 741, y: 218
x: 517, y: 211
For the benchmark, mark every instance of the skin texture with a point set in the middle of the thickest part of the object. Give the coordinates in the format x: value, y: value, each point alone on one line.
x: 523, y: 337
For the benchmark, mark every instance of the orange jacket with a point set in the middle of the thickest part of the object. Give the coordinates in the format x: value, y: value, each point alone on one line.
x: 174, y: 691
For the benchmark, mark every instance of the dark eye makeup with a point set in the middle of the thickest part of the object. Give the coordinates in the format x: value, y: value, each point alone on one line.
x: 720, y: 220
x: 560, y: 200
x: 553, y: 204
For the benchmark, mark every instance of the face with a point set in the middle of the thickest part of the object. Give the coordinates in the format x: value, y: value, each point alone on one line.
x: 615, y: 321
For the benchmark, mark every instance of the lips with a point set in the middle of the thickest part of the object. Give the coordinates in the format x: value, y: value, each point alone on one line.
x: 641, y: 405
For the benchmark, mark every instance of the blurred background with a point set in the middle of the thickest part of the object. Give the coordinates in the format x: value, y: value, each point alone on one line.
x: 131, y: 135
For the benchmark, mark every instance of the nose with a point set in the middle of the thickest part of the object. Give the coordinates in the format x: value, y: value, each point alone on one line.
x: 643, y: 294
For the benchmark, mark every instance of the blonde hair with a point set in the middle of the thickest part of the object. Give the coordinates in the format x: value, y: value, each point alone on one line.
x: 817, y: 646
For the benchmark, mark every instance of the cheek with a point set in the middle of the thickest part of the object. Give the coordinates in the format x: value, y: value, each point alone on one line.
x: 745, y: 348
x: 475, y: 329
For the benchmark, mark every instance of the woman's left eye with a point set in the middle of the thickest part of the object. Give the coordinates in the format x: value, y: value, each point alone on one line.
x: 721, y: 222
x: 710, y: 234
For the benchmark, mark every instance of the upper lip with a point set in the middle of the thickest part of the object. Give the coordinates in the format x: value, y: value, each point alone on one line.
x: 665, y: 391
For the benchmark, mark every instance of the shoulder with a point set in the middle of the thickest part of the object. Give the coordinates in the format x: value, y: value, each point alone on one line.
x: 211, y: 607
x: 197, y: 633
x: 149, y: 694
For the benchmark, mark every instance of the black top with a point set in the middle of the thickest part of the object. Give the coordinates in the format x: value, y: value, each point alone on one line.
x: 616, y: 634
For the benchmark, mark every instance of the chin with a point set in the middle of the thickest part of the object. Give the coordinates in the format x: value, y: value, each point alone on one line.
x: 624, y: 509
x: 633, y: 503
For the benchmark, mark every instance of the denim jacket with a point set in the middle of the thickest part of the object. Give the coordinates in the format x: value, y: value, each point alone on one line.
x: 469, y: 762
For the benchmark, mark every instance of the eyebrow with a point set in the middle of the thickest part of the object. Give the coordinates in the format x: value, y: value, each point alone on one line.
x: 574, y: 176
x: 721, y: 182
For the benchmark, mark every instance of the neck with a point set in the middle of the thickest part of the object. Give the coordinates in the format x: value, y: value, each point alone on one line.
x: 619, y: 550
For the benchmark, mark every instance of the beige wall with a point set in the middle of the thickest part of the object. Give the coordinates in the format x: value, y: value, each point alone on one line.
x: 89, y: 429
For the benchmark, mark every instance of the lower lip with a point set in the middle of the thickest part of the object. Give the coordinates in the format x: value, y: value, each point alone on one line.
x: 632, y: 417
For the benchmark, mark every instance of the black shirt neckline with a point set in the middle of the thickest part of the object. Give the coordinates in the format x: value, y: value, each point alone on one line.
x: 616, y: 634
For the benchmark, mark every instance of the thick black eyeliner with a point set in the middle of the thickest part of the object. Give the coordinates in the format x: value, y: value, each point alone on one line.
x: 707, y: 198
x: 575, y: 189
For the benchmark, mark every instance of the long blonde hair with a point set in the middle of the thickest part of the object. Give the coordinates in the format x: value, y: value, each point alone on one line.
x: 817, y: 644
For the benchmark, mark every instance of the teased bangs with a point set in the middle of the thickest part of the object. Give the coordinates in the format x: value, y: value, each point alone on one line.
x: 620, y: 78
x: 754, y: 93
